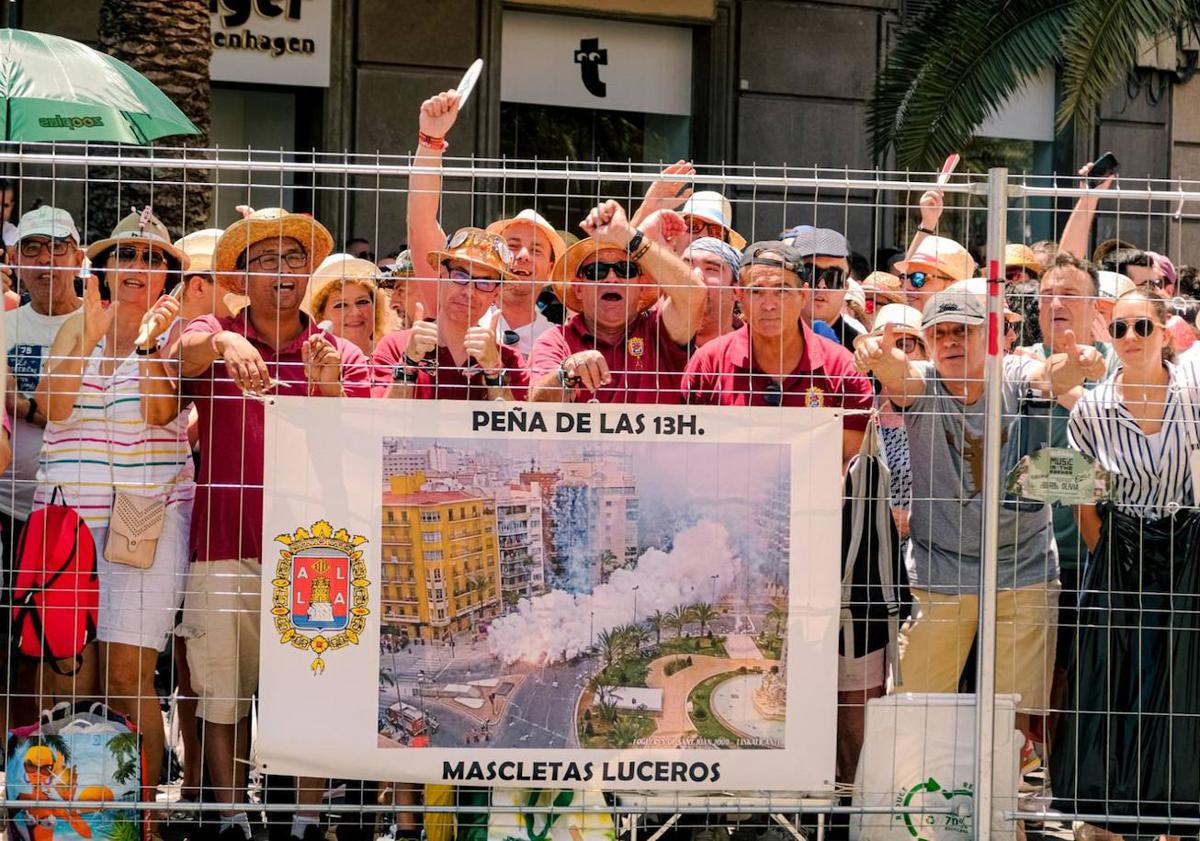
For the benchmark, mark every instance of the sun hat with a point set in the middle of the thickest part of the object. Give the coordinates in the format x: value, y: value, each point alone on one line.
x: 957, y: 307
x: 1114, y: 284
x: 1017, y: 254
x: 819, y: 242
x: 199, y: 247
x: 978, y: 286
x: 884, y: 285
x: 940, y: 254
x: 478, y: 247
x: 728, y: 254
x: 47, y: 221
x: 855, y: 296
x: 713, y: 207
x: 1108, y: 246
x: 565, y: 270
x: 265, y: 224
x: 335, y: 272
x: 903, y: 318
x: 558, y: 247
x: 139, y: 226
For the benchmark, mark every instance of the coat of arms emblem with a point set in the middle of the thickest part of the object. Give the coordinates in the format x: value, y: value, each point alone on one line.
x: 319, y: 596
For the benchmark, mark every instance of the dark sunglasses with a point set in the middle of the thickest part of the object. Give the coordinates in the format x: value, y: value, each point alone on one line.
x: 1120, y: 327
x: 130, y: 254
x: 918, y: 279
x: 832, y: 277
x: 624, y: 269
x: 462, y: 277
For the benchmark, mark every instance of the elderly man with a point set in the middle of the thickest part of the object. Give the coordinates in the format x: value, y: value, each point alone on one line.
x: 47, y: 258
x: 534, y: 243
x: 826, y: 254
x: 624, y: 345
x: 454, y: 357
x: 776, y: 359
x: 226, y: 363
x: 718, y: 262
x: 943, y: 408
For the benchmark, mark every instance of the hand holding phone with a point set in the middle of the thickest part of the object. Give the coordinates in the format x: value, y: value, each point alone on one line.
x: 1104, y: 166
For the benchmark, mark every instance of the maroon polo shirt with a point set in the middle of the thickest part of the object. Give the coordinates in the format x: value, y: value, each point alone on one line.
x: 723, y: 373
x: 227, y: 519
x: 446, y: 380
x: 646, y: 365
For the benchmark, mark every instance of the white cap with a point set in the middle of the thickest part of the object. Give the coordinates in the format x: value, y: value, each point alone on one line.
x: 47, y: 221
x: 1114, y: 284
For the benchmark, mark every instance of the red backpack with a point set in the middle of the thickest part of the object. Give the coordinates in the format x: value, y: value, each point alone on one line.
x: 56, y: 595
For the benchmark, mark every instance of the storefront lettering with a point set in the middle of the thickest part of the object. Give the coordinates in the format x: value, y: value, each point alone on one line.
x: 237, y: 12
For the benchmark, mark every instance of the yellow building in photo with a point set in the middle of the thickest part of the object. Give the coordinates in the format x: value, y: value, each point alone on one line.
x: 441, y: 561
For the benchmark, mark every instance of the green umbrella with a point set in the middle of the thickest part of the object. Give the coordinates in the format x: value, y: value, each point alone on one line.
x: 58, y: 89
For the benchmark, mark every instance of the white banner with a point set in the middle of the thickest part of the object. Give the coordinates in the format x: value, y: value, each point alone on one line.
x: 582, y: 596
x: 272, y: 42
x: 585, y: 62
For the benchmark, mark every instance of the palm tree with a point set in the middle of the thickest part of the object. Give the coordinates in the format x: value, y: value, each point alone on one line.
x: 960, y: 60
x: 658, y: 621
x: 623, y: 733
x: 635, y: 637
x: 703, y: 613
x: 777, y: 616
x: 599, y: 688
x: 606, y: 558
x: 680, y: 616
x: 124, y: 748
x: 178, y: 64
x: 606, y: 710
x: 610, y: 643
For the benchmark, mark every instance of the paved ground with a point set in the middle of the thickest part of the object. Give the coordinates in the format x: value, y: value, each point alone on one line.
x: 674, y: 723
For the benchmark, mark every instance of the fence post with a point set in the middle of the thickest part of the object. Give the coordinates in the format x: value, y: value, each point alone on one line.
x: 985, y: 682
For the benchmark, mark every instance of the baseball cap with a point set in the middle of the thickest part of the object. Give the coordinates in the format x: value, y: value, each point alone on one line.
x: 958, y: 307
x: 820, y: 242
x: 47, y: 221
x: 788, y: 258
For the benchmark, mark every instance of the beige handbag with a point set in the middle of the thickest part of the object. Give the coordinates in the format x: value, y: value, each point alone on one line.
x: 134, y: 529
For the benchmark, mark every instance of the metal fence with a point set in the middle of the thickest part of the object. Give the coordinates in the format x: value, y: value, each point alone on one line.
x: 879, y: 213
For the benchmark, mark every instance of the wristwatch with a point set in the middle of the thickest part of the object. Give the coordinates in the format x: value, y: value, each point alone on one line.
x: 921, y: 229
x: 405, y: 372
x: 33, y: 410
x: 494, y: 382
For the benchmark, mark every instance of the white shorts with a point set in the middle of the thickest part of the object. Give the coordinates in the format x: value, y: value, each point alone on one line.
x: 138, y: 606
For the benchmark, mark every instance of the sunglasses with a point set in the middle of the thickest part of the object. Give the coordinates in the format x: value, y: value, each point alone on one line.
x: 696, y: 225
x: 831, y: 277
x: 462, y: 277
x: 598, y: 270
x: 130, y: 254
x: 918, y: 279
x: 1119, y: 328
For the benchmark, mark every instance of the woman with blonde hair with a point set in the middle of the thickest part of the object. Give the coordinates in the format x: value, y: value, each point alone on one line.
x: 345, y: 291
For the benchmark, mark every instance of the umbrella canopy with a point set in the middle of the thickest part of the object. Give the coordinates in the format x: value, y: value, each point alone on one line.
x: 58, y: 89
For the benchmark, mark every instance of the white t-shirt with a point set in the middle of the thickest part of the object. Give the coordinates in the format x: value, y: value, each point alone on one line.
x: 27, y: 338
x: 528, y: 334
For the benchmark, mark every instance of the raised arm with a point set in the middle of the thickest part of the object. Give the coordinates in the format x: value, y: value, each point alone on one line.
x: 932, y: 203
x: 1074, y: 239
x: 158, y: 371
x: 901, y: 380
x: 666, y: 195
x: 69, y: 354
x: 425, y: 234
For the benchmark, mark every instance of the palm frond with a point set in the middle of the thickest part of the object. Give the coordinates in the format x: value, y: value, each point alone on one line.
x: 1100, y: 44
x: 942, y: 83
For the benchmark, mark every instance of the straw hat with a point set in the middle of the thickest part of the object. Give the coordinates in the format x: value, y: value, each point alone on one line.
x: 268, y: 223
x: 713, y: 207
x: 903, y: 318
x: 199, y: 247
x: 139, y: 226
x: 564, y: 276
x: 1016, y: 254
x: 884, y: 285
x: 338, y: 268
x: 480, y: 248
x: 940, y: 254
x: 558, y: 247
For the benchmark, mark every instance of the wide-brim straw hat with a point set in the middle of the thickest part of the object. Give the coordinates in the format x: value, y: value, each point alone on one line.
x: 339, y: 268
x: 199, y: 247
x: 940, y: 254
x: 884, y: 285
x: 1017, y: 254
x: 558, y: 246
x: 567, y: 288
x: 265, y: 224
x: 476, y: 247
x: 138, y: 227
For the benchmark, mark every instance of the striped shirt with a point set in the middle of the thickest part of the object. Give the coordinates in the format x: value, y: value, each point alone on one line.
x: 105, y: 444
x: 1150, y: 473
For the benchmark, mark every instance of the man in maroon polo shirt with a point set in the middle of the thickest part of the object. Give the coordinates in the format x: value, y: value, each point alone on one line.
x: 269, y: 346
x: 456, y: 357
x: 776, y: 359
x: 637, y: 308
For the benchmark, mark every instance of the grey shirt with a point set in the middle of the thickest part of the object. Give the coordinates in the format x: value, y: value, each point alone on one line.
x: 945, y: 442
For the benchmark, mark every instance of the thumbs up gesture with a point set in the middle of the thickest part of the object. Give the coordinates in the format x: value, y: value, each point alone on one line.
x: 482, y: 343
x: 423, y: 337
x: 878, y: 352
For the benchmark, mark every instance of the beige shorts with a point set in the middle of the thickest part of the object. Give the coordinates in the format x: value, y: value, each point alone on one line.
x: 858, y: 674
x: 221, y: 627
x: 934, y: 644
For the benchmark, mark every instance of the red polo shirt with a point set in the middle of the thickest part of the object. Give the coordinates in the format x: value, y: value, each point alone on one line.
x: 646, y: 365
x: 227, y: 519
x: 446, y: 380
x: 722, y: 373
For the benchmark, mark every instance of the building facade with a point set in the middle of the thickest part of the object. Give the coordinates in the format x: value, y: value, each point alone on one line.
x: 440, y: 566
x: 596, y: 512
x: 522, y: 555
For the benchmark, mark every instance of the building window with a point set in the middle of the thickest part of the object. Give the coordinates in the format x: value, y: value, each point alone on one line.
x: 431, y: 537
x: 431, y: 517
x: 391, y: 516
x: 435, y: 555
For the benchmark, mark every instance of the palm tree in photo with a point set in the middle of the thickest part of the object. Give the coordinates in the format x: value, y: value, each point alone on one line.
x: 170, y: 44
x: 635, y: 637
x: 601, y: 689
x: 125, y: 749
x: 610, y: 644
x: 623, y: 733
x: 778, y: 617
x: 606, y: 710
x: 680, y: 616
x: 703, y: 613
x: 959, y: 61
x: 605, y: 560
x: 657, y: 621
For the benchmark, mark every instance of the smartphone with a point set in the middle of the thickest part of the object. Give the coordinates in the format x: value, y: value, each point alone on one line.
x: 1105, y: 165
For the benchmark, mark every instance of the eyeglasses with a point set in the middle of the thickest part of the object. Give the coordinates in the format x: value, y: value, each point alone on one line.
x: 34, y: 247
x: 272, y: 261
x: 831, y: 277
x: 1121, y: 326
x: 909, y: 344
x: 772, y: 393
x: 598, y: 270
x: 700, y: 226
x: 918, y: 279
x: 1153, y: 283
x: 131, y: 254
x: 462, y: 277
